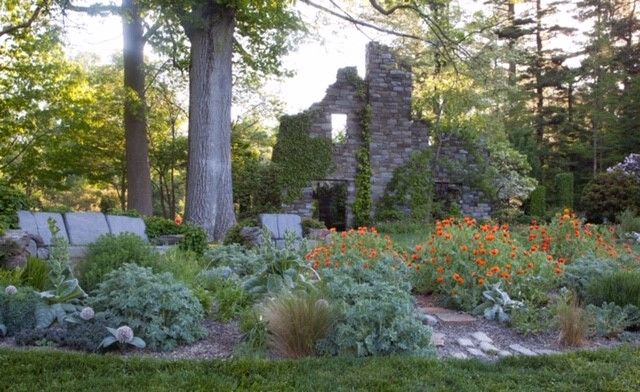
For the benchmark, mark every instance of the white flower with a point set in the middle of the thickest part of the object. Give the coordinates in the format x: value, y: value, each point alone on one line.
x: 10, y: 290
x: 87, y: 313
x: 124, y: 334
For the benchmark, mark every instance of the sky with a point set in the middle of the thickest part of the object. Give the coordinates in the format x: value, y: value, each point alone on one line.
x: 335, y: 44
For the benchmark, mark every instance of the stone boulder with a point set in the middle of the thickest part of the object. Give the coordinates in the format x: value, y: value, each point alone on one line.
x: 16, y: 246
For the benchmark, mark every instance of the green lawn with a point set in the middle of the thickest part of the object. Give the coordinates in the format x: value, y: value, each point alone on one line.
x: 604, y: 370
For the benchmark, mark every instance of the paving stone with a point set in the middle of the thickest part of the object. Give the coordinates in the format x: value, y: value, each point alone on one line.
x: 476, y: 353
x: 126, y: 224
x: 455, y: 318
x: 85, y: 227
x: 489, y: 348
x: 504, y: 353
x: 459, y: 355
x: 437, y: 339
x: 522, y: 350
x: 464, y: 342
x: 434, y: 310
x: 481, y: 337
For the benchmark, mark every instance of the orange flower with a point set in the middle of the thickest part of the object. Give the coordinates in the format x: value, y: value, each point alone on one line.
x: 178, y: 219
x: 480, y: 281
x: 418, y: 248
x: 459, y: 279
x: 495, y: 269
x: 480, y: 262
x: 440, y: 270
x: 494, y: 252
x: 505, y: 275
x: 464, y: 248
x: 440, y: 280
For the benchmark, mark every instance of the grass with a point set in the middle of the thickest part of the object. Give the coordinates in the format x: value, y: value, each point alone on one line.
x: 603, y: 370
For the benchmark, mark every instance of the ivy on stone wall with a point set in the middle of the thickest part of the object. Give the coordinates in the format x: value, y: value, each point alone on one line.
x: 364, y: 201
x: 410, y: 192
x: 298, y: 157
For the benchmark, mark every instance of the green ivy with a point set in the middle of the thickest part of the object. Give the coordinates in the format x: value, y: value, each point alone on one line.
x: 299, y: 157
x: 411, y: 189
x: 364, y: 201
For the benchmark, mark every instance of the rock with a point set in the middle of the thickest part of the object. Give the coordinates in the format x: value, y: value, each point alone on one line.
x: 251, y: 235
x: 16, y: 246
x: 437, y: 339
x: 489, y: 348
x: 85, y: 228
x: 464, y: 342
x: 459, y: 355
x: 481, y: 337
x: 126, y: 224
x: 476, y: 353
x: 522, y: 350
x: 429, y: 320
x: 504, y: 353
x: 42, y: 222
x: 318, y: 234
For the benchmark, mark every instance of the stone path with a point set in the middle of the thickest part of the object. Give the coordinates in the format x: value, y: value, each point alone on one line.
x: 460, y: 335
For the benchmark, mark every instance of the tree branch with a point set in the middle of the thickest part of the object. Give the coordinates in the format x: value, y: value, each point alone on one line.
x: 26, y: 24
x: 367, y: 24
x: 93, y: 9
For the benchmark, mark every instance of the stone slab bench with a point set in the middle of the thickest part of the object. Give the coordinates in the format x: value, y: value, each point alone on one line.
x: 280, y: 224
x: 78, y: 229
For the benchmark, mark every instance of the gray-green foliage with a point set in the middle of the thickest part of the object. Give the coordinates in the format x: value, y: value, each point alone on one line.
x: 497, y: 304
x: 18, y: 311
x: 610, y: 320
x: 241, y: 261
x: 376, y: 311
x: 161, y: 310
x: 579, y: 274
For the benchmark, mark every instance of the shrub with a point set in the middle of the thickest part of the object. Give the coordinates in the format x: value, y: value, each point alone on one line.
x: 375, y: 309
x: 36, y: 274
x: 11, y: 200
x: 610, y: 320
x: 18, y: 311
x: 620, y: 287
x: 578, y: 275
x: 159, y: 309
x: 629, y: 221
x: 564, y: 189
x: 254, y: 329
x: 229, y: 297
x: 233, y: 235
x: 573, y: 322
x: 296, y: 322
x: 185, y: 266
x: 10, y: 277
x: 538, y: 202
x: 195, y: 238
x: 237, y: 258
x: 110, y: 252
x: 308, y: 224
x: 608, y: 194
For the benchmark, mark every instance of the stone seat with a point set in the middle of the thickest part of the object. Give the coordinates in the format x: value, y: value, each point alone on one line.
x: 78, y: 229
x: 280, y: 224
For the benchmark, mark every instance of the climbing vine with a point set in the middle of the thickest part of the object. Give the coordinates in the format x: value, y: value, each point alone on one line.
x: 364, y: 201
x: 298, y: 157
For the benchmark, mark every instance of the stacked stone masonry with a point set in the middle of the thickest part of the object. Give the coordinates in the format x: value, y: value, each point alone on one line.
x: 395, y: 135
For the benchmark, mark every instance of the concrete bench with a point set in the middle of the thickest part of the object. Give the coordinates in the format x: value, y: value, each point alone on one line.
x: 78, y: 229
x: 280, y: 224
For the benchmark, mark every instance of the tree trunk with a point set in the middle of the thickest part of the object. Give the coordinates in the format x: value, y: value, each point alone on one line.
x: 209, y: 201
x: 137, y: 146
x: 538, y: 75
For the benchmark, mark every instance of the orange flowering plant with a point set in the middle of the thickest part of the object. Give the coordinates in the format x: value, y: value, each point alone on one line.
x: 461, y: 258
x: 567, y: 238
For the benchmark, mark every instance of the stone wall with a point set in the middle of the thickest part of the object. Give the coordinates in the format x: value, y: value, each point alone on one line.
x: 395, y: 135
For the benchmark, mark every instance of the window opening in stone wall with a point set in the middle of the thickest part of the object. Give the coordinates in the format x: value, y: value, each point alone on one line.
x: 338, y: 128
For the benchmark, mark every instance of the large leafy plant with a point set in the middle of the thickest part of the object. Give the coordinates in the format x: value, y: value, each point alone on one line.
x: 161, y: 310
x: 65, y: 290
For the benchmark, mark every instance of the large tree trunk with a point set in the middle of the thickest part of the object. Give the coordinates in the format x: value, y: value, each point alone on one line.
x: 209, y: 201
x: 135, y: 126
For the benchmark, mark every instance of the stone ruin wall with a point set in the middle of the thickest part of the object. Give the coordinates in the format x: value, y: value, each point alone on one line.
x: 395, y: 135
